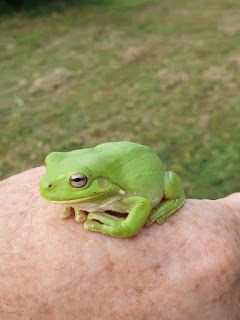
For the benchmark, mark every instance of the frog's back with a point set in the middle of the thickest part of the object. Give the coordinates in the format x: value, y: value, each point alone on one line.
x: 134, y: 167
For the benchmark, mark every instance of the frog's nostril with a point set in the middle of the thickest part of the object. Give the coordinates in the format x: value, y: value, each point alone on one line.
x: 50, y: 186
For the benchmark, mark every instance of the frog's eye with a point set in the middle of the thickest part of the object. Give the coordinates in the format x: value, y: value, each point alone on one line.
x: 78, y: 180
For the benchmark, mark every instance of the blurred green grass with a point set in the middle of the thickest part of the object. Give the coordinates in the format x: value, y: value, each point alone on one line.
x: 162, y: 73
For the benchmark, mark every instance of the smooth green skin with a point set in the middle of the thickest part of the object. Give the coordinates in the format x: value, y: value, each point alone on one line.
x: 123, y: 177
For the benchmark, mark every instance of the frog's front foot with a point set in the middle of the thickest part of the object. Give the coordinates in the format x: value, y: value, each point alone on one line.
x: 67, y: 211
x: 106, y: 223
x: 80, y: 215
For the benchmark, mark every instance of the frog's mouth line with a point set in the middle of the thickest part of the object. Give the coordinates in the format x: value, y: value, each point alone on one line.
x: 81, y: 200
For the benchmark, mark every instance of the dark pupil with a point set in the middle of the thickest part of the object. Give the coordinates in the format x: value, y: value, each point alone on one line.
x: 77, y: 179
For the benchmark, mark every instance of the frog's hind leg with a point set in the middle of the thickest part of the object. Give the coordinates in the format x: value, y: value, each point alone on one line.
x: 169, y: 207
x: 173, y: 195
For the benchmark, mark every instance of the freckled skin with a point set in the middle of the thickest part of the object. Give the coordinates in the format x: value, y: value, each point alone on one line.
x: 53, y: 269
x: 124, y: 177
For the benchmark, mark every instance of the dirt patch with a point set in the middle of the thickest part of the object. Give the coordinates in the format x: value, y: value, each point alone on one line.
x: 172, y: 76
x: 232, y: 29
x: 203, y: 120
x: 52, y: 81
x: 235, y: 58
x: 182, y: 12
x: 69, y: 37
x: 111, y: 40
x: 180, y: 41
x: 217, y: 74
x: 134, y: 54
x: 231, y: 22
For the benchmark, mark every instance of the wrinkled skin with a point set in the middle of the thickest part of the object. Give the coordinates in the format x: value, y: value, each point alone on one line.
x: 187, y: 268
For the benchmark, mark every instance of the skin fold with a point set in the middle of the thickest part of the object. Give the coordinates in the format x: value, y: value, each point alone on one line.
x: 186, y: 268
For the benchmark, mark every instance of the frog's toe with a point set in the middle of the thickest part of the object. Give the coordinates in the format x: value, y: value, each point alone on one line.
x: 80, y: 215
x: 66, y: 212
x: 92, y: 225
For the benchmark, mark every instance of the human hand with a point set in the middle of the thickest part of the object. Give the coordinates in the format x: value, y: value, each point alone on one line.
x: 186, y: 268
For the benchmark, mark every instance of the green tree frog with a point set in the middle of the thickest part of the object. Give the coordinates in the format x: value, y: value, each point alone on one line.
x: 120, y: 177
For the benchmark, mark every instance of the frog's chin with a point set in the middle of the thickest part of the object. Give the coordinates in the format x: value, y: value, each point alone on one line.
x: 80, y: 200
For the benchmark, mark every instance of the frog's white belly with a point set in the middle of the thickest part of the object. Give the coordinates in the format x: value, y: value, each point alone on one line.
x: 96, y: 207
x: 90, y: 207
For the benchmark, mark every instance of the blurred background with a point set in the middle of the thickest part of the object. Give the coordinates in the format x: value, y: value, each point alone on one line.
x: 163, y: 73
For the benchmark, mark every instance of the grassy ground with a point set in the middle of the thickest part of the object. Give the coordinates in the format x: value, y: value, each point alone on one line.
x: 162, y: 73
